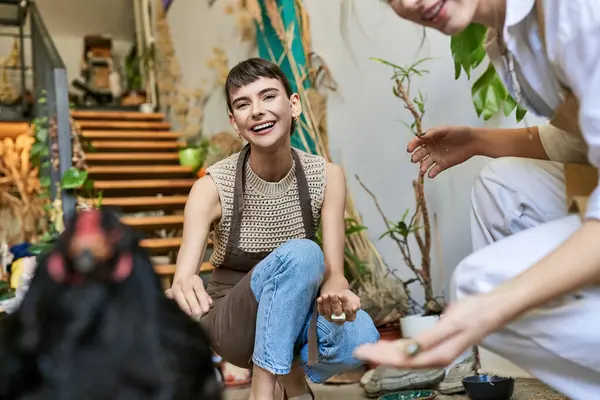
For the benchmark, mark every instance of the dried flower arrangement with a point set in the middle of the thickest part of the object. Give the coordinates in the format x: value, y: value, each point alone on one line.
x: 243, y: 20
x: 183, y: 106
x: 20, y: 191
x: 419, y: 225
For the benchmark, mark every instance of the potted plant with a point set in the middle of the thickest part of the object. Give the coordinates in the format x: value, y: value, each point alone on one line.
x: 417, y: 316
x: 194, y: 152
x: 135, y: 94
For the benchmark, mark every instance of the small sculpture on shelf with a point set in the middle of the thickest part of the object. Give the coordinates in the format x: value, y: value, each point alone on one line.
x: 96, y: 69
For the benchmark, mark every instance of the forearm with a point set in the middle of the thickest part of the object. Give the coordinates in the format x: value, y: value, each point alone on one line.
x: 334, y: 227
x: 519, y: 142
x: 335, y: 273
x: 333, y: 250
x: 188, y: 261
x: 573, y: 265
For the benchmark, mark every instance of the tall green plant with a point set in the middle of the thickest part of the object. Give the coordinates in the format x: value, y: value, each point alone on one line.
x: 488, y: 91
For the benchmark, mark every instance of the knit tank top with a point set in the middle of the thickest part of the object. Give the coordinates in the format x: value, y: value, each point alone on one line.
x: 272, y: 213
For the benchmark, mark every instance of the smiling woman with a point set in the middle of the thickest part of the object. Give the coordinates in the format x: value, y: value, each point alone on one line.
x: 530, y: 292
x: 275, y: 301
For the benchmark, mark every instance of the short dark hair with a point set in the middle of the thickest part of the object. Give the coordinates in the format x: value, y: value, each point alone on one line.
x: 251, y: 70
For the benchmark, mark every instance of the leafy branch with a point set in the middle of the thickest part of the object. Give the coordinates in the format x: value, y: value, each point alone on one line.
x: 419, y: 225
x: 488, y: 91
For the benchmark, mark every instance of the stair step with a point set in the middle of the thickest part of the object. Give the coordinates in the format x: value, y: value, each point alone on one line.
x: 157, y: 244
x: 161, y: 245
x: 116, y: 115
x: 170, y: 269
x: 134, y: 125
x: 119, y: 145
x: 139, y: 171
x: 13, y: 129
x: 128, y: 135
x: 154, y: 222
x: 123, y: 158
x: 144, y: 184
x: 143, y: 203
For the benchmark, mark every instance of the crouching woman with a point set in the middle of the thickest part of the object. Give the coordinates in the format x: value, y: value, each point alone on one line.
x: 276, y: 302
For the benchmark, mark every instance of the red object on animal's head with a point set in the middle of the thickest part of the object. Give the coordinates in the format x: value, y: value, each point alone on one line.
x: 92, y: 245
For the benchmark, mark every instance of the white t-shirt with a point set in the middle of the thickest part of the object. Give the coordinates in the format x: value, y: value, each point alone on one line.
x: 571, y: 58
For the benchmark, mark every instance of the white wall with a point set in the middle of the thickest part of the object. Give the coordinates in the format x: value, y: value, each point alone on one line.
x: 196, y: 29
x: 364, y: 114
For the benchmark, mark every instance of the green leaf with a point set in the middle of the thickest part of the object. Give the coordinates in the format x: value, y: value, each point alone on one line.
x: 488, y: 93
x: 403, y: 229
x: 88, y: 185
x: 467, y: 49
x: 99, y: 202
x: 468, y: 53
x: 39, y: 248
x: 45, y: 181
x: 405, y: 214
x: 386, y: 63
x: 38, y: 149
x: 73, y: 178
x: 41, y: 134
x: 509, y: 105
x: 389, y: 232
x: 521, y: 113
x: 355, y: 229
x: 7, y: 294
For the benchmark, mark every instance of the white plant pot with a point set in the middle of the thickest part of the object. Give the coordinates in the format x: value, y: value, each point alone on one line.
x: 415, y: 324
x: 146, y: 108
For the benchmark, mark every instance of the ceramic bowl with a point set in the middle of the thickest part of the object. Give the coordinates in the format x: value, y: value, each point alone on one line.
x: 486, y: 387
x: 410, y: 395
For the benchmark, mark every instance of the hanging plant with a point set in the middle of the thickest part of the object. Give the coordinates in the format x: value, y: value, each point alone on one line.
x: 488, y: 91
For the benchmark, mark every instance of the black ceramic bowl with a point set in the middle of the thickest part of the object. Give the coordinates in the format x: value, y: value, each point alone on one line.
x: 485, y: 387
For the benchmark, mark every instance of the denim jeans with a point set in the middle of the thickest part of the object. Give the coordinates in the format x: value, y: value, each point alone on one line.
x: 286, y: 285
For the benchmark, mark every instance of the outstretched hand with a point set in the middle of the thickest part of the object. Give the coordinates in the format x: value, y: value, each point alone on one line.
x: 464, y: 325
x: 441, y: 148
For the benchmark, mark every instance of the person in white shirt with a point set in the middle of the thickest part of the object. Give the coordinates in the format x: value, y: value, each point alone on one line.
x: 531, y: 296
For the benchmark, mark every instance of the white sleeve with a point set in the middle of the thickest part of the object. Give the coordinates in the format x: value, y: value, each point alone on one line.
x: 562, y: 146
x: 578, y: 59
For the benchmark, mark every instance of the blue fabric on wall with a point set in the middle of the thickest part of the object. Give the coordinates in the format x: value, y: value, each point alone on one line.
x: 271, y: 48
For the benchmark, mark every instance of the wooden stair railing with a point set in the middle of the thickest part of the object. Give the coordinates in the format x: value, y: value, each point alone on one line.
x: 135, y: 164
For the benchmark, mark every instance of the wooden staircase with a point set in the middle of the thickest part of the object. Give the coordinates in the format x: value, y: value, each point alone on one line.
x: 134, y: 163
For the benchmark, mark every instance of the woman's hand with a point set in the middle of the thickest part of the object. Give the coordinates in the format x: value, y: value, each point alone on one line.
x: 441, y: 148
x: 190, y: 295
x: 464, y: 325
x: 337, y: 299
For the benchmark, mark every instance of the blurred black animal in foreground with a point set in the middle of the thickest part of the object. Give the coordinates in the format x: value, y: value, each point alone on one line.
x: 95, y: 325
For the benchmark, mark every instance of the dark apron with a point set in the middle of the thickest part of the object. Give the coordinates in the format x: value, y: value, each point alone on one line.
x: 231, y: 322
